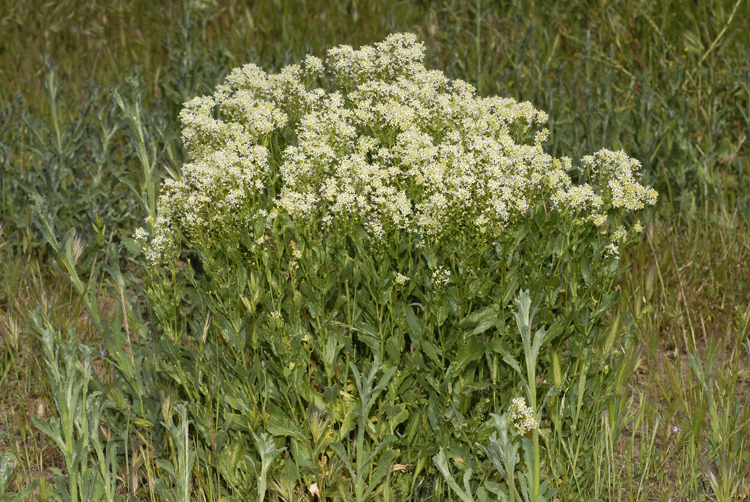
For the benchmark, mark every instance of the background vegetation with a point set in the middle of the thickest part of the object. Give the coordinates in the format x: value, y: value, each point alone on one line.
x: 667, y: 81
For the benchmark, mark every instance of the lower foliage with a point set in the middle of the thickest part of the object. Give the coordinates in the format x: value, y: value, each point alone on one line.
x: 338, y: 388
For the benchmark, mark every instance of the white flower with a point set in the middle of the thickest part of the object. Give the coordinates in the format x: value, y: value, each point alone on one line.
x: 522, y: 416
x: 618, y: 172
x: 140, y: 235
x: 441, y: 277
x: 598, y: 219
x: 313, y: 65
x: 619, y: 234
x: 401, y: 279
x: 611, y: 250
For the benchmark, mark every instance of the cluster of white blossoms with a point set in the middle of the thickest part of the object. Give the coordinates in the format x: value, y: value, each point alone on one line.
x: 441, y: 277
x: 618, y: 173
x: 401, y: 279
x: 522, y: 416
x: 396, y: 148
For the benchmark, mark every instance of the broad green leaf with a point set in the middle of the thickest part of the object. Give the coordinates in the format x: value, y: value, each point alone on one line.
x: 511, y: 287
x: 555, y: 330
x: 368, y: 335
x: 347, y: 269
x: 472, y: 351
x: 340, y: 451
x: 279, y: 423
x: 165, y: 465
x: 433, y: 413
x: 431, y: 351
x: 480, y: 317
x: 412, y: 323
x: 586, y: 269
x: 607, y: 303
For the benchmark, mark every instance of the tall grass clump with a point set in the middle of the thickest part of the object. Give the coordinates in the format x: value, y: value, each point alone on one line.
x: 366, y: 280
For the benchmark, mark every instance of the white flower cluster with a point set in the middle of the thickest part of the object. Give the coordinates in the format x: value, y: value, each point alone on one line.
x: 396, y: 148
x: 441, y: 277
x: 611, y: 250
x: 522, y: 416
x: 618, y: 172
x: 401, y: 279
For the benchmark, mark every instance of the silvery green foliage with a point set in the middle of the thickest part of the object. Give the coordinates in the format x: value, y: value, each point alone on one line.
x: 396, y: 148
x: 8, y: 463
x: 90, y: 460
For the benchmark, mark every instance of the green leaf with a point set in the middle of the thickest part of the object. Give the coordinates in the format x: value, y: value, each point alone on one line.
x: 510, y: 361
x: 500, y: 346
x: 24, y: 494
x: 511, y: 287
x: 555, y: 330
x: 384, y: 465
x: 412, y: 323
x: 607, y: 303
x: 368, y: 335
x: 431, y: 351
x: 472, y: 351
x: 441, y: 462
x: 586, y: 269
x: 441, y: 312
x: 165, y: 465
x: 46, y: 428
x: 340, y: 451
x: 433, y: 413
x: 44, y: 221
x: 481, y: 320
x: 235, y: 421
x: 279, y: 423
x: 8, y: 463
x: 347, y: 269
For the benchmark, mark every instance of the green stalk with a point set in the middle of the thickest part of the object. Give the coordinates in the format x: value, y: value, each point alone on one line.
x: 531, y: 372
x: 133, y: 116
x: 478, y: 42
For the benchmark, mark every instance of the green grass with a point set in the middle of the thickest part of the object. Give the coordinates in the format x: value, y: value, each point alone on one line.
x: 667, y: 81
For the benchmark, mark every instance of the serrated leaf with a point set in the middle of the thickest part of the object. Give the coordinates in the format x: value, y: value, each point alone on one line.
x: 384, y: 466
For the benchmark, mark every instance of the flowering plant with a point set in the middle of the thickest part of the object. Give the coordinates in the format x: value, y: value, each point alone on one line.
x: 381, y: 228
